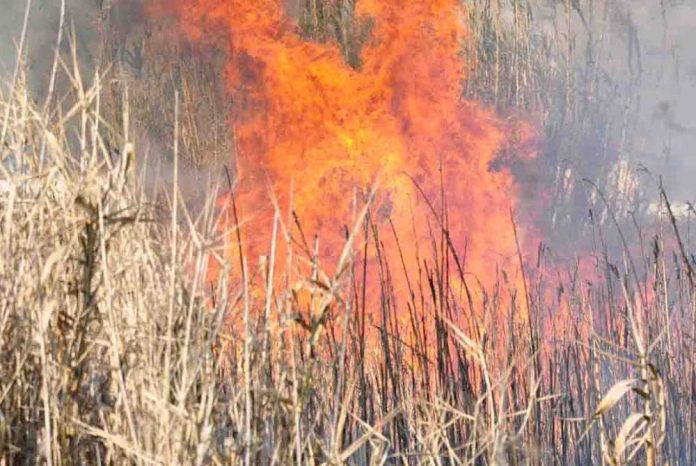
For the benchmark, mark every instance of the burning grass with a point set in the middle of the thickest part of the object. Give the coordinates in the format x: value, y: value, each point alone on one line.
x: 118, y: 346
x: 112, y: 336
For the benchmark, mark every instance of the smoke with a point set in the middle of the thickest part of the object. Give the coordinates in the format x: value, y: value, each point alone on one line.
x: 82, y: 17
x: 101, y: 30
x: 645, y: 48
x: 668, y: 89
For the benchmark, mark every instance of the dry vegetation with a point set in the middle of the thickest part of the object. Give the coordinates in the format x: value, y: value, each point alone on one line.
x: 113, y: 348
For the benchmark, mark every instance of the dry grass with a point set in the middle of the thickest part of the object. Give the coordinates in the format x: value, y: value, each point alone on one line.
x: 110, y: 338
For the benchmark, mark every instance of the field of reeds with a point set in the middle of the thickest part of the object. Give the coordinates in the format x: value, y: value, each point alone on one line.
x: 115, y: 346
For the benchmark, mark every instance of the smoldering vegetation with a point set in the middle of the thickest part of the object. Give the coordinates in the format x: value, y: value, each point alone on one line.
x: 116, y: 346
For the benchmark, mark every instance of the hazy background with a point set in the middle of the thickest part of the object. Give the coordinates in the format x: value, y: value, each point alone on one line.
x: 42, y: 33
x: 666, y: 76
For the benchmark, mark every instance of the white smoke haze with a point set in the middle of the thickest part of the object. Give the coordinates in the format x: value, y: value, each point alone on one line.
x: 649, y: 44
x: 82, y: 16
x: 85, y: 18
x: 669, y: 94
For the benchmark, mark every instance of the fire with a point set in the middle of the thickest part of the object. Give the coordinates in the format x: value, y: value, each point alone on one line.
x: 309, y: 125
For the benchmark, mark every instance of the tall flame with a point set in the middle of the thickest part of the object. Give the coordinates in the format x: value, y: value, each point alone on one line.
x: 309, y: 124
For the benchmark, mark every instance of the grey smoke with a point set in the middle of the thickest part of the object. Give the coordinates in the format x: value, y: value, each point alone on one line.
x: 42, y: 33
x: 669, y: 93
x: 85, y: 18
x: 648, y: 44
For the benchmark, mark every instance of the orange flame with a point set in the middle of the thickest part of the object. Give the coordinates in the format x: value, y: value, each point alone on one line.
x: 308, y: 123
